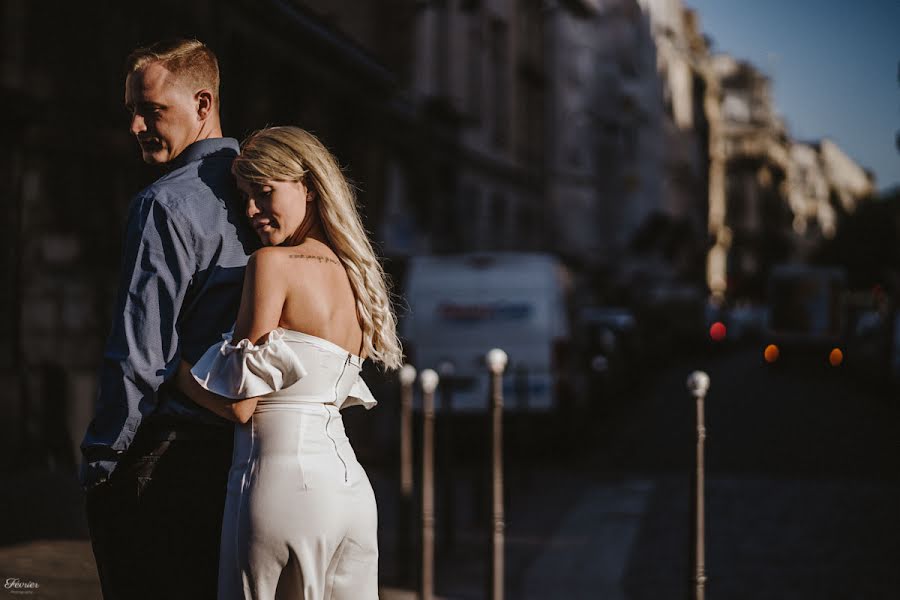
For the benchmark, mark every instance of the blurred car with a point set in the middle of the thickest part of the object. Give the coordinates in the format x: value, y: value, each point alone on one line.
x: 807, y: 312
x: 746, y: 322
x: 607, y: 346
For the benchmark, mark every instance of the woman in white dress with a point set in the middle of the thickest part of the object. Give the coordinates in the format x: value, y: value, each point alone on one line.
x: 300, y: 518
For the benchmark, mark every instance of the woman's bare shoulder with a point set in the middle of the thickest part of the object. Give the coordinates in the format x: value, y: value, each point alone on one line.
x: 267, y: 263
x: 269, y: 254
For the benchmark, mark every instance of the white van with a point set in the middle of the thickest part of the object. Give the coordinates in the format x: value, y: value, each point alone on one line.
x: 461, y: 306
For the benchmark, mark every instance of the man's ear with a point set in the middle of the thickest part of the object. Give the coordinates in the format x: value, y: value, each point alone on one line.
x: 204, y: 99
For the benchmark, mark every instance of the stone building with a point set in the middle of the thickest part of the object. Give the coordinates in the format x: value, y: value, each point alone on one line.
x: 749, y: 218
x: 479, y: 65
x: 823, y: 184
x: 772, y: 199
x: 683, y: 62
x: 629, y: 140
x: 605, y: 135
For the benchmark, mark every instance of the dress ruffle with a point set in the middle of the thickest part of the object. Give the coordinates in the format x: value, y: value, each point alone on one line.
x: 245, y: 370
x: 360, y: 395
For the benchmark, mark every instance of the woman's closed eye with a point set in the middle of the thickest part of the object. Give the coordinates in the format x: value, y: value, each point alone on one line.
x: 261, y: 192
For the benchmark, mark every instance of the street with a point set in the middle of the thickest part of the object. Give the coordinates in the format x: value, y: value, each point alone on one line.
x: 803, y: 498
x: 803, y: 490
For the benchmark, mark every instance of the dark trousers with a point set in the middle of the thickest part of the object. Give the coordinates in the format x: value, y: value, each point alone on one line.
x: 155, y: 525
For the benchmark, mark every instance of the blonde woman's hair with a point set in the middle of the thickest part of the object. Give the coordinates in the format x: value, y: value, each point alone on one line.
x: 294, y: 154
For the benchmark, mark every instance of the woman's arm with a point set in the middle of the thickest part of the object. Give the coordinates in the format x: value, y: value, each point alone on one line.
x: 238, y: 411
x: 262, y: 300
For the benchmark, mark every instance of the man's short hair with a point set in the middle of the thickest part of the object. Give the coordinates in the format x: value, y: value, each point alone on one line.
x: 188, y: 59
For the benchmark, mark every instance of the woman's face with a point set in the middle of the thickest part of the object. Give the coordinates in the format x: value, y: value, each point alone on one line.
x: 276, y: 209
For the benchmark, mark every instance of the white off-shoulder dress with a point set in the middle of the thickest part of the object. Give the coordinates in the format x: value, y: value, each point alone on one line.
x: 300, y: 518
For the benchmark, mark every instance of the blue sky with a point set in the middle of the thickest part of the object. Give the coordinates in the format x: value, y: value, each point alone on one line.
x: 833, y: 66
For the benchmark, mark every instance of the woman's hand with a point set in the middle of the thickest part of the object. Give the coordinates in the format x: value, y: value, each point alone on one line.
x: 238, y: 411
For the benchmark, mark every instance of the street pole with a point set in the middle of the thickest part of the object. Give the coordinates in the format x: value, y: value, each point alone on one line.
x: 496, y: 362
x: 429, y: 380
x: 698, y: 385
x: 405, y: 506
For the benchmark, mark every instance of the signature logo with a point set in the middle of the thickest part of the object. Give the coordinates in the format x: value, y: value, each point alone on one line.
x: 17, y: 586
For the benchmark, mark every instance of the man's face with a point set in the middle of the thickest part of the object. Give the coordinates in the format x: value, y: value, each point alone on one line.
x: 164, y: 116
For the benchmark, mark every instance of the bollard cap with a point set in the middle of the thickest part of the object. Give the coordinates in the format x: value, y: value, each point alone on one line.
x: 407, y: 374
x: 496, y: 360
x: 429, y: 380
x: 698, y: 383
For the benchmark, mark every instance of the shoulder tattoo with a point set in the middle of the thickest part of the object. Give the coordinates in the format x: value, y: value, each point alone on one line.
x: 321, y: 259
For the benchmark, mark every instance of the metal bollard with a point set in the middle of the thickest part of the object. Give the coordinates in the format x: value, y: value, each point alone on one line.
x: 496, y: 361
x: 429, y: 380
x: 445, y: 457
x: 698, y: 384
x: 405, y: 506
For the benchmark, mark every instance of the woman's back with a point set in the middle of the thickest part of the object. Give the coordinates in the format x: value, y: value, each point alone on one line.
x: 318, y: 299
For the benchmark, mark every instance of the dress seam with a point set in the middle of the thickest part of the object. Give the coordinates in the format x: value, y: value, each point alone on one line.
x: 328, y: 422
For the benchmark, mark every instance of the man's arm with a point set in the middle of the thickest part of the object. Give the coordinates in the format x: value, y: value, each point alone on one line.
x: 142, y: 350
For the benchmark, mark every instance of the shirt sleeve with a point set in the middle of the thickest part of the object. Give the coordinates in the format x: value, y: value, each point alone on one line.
x: 142, y: 350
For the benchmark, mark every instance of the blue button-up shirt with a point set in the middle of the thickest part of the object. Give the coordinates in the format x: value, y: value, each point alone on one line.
x: 186, y: 245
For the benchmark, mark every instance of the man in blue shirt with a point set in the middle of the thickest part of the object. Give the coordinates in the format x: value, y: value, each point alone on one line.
x: 155, y: 464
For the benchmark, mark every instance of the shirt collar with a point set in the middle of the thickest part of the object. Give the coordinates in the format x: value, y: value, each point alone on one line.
x: 203, y: 148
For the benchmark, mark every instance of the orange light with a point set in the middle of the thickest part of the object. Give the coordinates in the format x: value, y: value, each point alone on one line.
x: 771, y: 353
x: 717, y: 331
x: 836, y: 357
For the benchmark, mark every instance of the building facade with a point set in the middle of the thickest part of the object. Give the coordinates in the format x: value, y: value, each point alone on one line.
x: 479, y: 65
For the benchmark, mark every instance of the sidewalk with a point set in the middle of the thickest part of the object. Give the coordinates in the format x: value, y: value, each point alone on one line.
x: 568, y: 535
x: 65, y: 570
x: 44, y: 547
x: 559, y: 532
x: 44, y: 538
